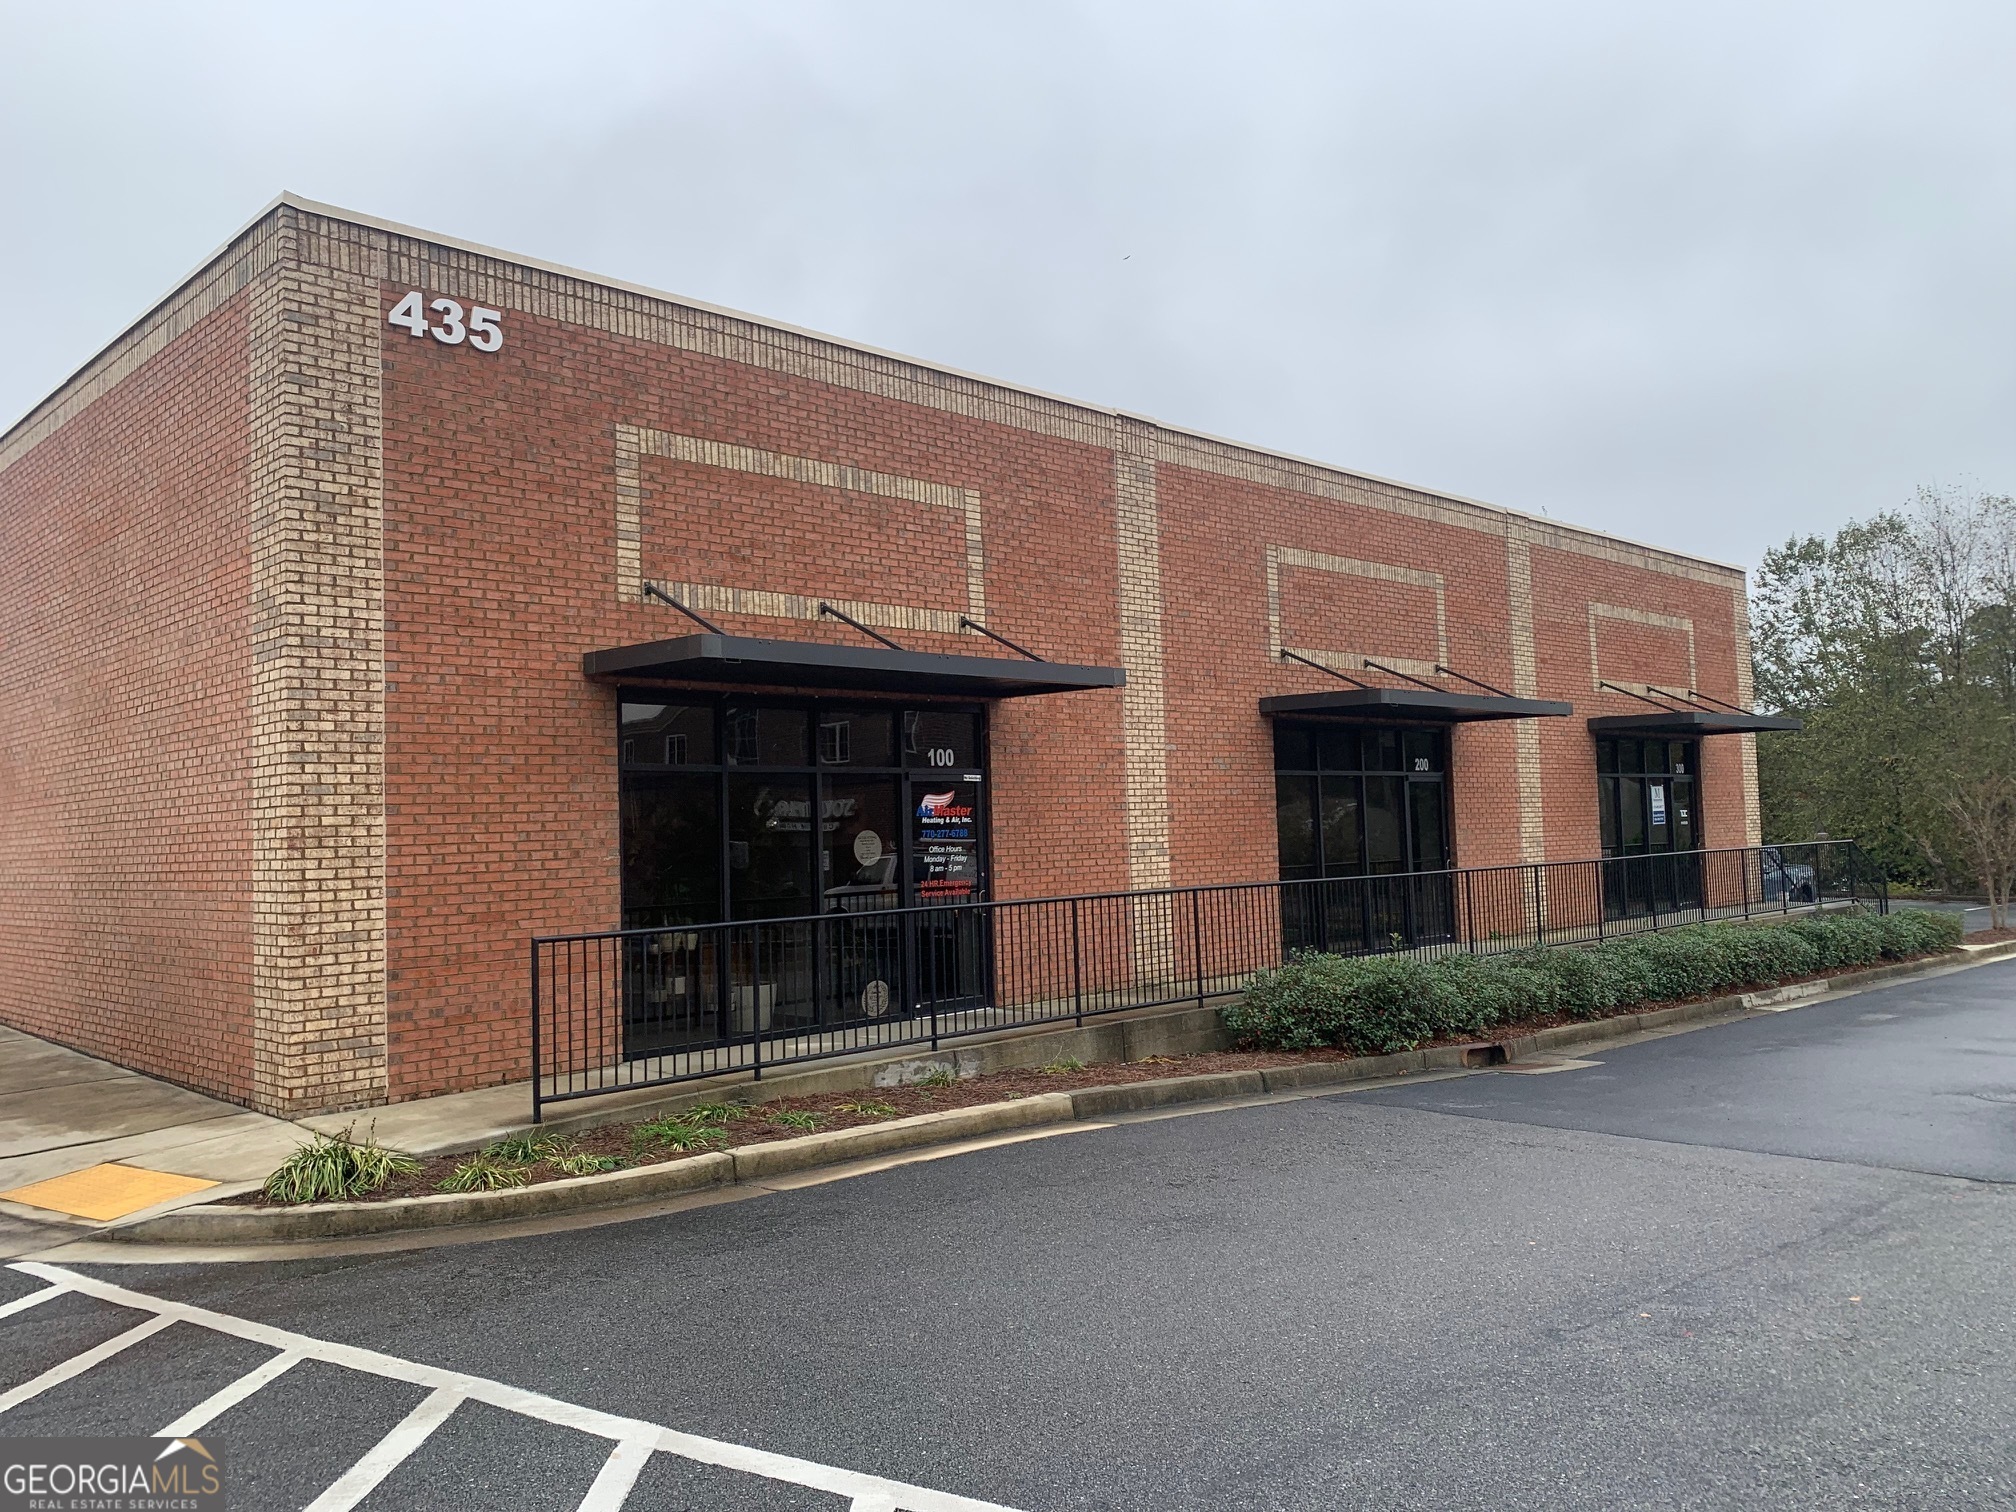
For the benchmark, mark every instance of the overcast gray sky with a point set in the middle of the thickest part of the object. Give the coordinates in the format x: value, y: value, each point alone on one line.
x: 1705, y: 275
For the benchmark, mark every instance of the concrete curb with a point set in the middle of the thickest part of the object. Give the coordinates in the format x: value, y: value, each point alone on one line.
x: 210, y: 1224
x: 215, y: 1224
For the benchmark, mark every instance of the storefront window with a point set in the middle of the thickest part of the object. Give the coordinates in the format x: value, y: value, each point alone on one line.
x: 940, y: 739
x: 741, y: 808
x: 857, y: 737
x: 1648, y: 805
x: 1361, y: 818
x: 769, y: 847
x: 1352, y: 801
x: 1648, y: 795
x: 671, y: 867
x: 759, y: 735
x: 655, y: 734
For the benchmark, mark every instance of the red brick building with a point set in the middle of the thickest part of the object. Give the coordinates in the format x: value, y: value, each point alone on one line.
x: 298, y: 745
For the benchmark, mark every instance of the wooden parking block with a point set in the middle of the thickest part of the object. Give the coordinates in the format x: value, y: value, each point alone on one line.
x: 105, y: 1192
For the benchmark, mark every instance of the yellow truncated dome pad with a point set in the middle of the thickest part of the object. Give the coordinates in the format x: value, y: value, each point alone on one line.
x: 105, y: 1191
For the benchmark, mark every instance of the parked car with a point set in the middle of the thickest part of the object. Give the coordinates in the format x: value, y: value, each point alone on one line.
x: 1787, y: 880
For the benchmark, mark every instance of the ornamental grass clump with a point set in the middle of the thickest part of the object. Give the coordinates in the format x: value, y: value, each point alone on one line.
x: 334, y: 1167
x: 485, y: 1173
x: 581, y: 1163
x: 1377, y: 1005
x: 677, y: 1132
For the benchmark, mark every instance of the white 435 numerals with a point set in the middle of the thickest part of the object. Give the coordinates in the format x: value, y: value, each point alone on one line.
x: 452, y: 325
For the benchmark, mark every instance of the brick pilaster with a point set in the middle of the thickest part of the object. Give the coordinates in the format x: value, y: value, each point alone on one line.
x: 318, y: 689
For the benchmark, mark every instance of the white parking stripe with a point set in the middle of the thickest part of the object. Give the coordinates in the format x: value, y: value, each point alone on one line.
x: 850, y: 1484
x: 618, y: 1474
x: 220, y: 1402
x: 389, y: 1453
x: 76, y: 1365
x: 33, y: 1299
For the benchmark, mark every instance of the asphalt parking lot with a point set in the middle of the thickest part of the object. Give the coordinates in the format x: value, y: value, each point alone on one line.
x: 1764, y: 1264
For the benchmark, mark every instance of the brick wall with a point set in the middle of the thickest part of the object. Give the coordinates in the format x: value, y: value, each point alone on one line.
x: 382, y: 759
x: 125, y: 831
x: 1637, y: 628
x: 502, y: 570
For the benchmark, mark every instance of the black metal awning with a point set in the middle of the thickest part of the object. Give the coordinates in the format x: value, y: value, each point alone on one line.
x: 1420, y: 701
x: 1413, y: 703
x: 1683, y: 724
x: 751, y: 662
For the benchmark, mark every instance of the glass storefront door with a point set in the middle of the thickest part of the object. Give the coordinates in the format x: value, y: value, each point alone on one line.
x: 1362, y: 815
x: 1648, y: 806
x: 836, y: 815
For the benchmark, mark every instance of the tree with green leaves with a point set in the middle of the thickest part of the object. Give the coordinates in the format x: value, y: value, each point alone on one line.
x: 1895, y: 641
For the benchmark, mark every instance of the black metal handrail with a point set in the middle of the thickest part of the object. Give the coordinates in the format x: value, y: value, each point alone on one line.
x: 622, y: 1009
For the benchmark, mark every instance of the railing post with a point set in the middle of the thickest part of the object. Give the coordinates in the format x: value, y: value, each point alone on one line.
x: 1602, y: 901
x: 535, y: 1032
x: 819, y: 972
x: 1470, y: 911
x: 1197, y: 940
x: 1077, y: 971
x: 756, y: 1025
x: 1539, y: 912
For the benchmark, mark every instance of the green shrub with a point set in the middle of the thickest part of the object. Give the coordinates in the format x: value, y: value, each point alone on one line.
x: 1917, y: 931
x: 332, y: 1167
x: 1842, y: 939
x: 1583, y: 984
x: 1482, y: 992
x: 1375, y: 1005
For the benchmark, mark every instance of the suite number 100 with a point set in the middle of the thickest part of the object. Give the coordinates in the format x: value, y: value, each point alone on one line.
x: 452, y: 325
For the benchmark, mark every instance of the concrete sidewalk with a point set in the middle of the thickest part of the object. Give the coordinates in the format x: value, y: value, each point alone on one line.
x: 85, y: 1143
x: 64, y: 1114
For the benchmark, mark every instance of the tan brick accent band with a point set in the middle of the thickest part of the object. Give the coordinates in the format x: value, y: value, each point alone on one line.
x: 711, y: 598
x: 1290, y: 557
x: 1138, y: 530
x: 318, y: 695
x: 1525, y: 684
x: 636, y: 442
x: 1746, y: 690
x: 1599, y: 612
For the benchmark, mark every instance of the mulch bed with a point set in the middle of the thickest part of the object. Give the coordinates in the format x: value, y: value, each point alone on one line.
x: 849, y: 1110
x: 833, y: 1110
x: 1990, y: 936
